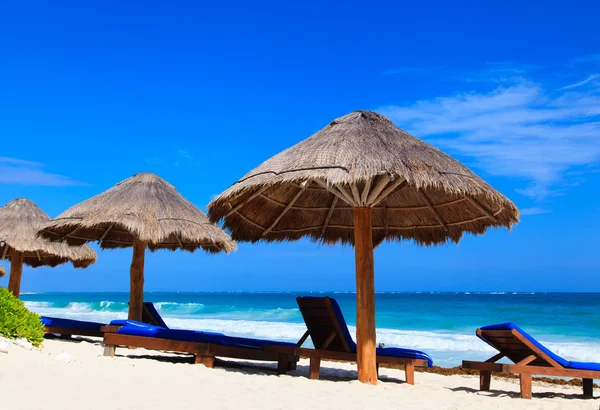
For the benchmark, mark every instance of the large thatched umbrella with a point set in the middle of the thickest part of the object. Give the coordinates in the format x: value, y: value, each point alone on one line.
x: 143, y: 211
x: 361, y: 180
x: 20, y: 220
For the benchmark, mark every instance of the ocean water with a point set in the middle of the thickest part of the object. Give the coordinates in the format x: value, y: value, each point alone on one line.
x: 441, y: 324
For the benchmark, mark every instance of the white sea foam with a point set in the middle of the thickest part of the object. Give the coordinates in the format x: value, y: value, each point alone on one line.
x: 37, y: 305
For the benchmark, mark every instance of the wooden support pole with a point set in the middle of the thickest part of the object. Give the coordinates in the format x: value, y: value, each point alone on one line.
x: 379, y: 185
x: 365, y: 192
x: 398, y: 183
x: 434, y: 211
x: 250, y: 198
x: 347, y: 194
x: 482, y: 208
x: 356, y: 195
x: 329, y: 213
x: 287, y: 208
x: 365, y: 296
x: 16, y: 271
x: 334, y: 191
x: 136, y: 282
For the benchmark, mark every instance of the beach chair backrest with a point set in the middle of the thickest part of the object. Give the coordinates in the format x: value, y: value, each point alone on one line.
x: 517, y: 345
x: 151, y: 316
x: 326, y: 324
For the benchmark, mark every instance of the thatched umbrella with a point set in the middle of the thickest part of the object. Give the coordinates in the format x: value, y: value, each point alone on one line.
x: 20, y: 220
x: 143, y: 211
x: 361, y: 180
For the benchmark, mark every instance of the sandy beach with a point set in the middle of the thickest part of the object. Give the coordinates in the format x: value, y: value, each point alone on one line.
x: 74, y: 374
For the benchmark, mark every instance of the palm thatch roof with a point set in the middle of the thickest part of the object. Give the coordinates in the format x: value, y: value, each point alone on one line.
x: 2, y: 271
x: 20, y: 220
x: 144, y: 207
x: 416, y: 191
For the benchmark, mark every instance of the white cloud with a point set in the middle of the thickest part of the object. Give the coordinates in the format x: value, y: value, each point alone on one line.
x: 185, y: 158
x: 588, y: 80
x: 521, y: 130
x: 21, y: 172
x: 591, y: 58
x: 533, y: 211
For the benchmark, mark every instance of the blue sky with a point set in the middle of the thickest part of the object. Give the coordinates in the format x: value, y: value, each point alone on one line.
x: 94, y: 92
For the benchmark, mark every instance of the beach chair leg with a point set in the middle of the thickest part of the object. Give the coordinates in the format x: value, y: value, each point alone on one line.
x: 292, y: 363
x: 208, y: 361
x: 315, y: 368
x: 588, y: 387
x: 485, y: 379
x: 525, y: 379
x: 282, y: 363
x: 109, y: 350
x: 410, y: 373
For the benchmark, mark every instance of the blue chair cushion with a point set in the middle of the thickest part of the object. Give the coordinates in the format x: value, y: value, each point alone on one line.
x: 70, y: 323
x: 562, y: 361
x: 133, y: 328
x: 406, y: 353
x: 584, y: 365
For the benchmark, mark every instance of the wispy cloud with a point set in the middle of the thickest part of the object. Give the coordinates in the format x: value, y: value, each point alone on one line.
x: 175, y: 157
x: 520, y: 130
x: 590, y: 58
x: 415, y: 70
x: 590, y: 79
x: 501, y: 72
x: 533, y: 211
x: 185, y: 158
x: 21, y: 172
x: 488, y: 72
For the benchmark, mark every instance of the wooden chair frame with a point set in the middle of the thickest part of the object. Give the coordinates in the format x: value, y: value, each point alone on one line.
x: 205, y: 353
x: 534, y: 361
x: 319, y: 353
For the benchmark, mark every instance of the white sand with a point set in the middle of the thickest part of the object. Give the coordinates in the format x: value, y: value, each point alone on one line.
x: 75, y: 375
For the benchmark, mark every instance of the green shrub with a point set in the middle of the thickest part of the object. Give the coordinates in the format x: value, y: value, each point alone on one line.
x: 16, y: 321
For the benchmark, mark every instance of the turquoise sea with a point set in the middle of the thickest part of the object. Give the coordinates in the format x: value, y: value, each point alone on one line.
x: 442, y: 324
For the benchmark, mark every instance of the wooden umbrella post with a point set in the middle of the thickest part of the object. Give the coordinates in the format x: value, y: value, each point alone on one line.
x: 136, y: 291
x: 365, y: 296
x: 16, y: 271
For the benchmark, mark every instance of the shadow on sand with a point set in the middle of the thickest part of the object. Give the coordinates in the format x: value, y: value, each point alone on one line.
x: 245, y: 367
x: 517, y: 395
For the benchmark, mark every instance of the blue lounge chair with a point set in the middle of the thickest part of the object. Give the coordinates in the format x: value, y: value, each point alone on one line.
x: 330, y: 335
x: 529, y: 357
x: 70, y: 327
x: 204, y: 345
